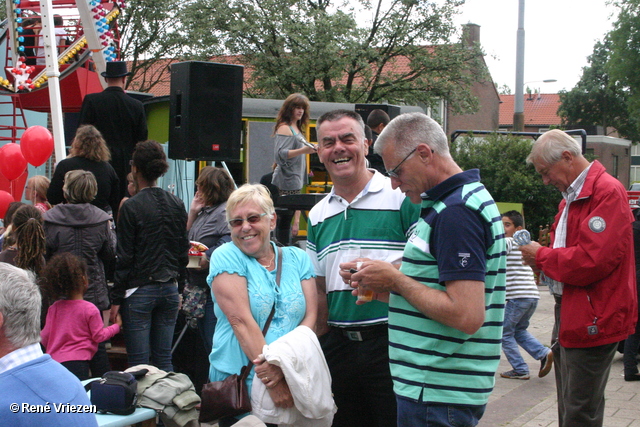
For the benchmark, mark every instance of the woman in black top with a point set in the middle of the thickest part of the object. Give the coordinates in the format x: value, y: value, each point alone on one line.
x: 152, y: 256
x: 88, y: 152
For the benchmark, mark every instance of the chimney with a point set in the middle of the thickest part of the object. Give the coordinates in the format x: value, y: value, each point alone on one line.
x: 470, y: 34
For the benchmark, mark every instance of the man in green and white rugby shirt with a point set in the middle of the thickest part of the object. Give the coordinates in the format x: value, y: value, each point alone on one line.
x: 364, y: 212
x: 447, y: 300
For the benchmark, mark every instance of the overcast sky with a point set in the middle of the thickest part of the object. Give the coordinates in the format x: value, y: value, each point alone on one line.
x: 559, y: 35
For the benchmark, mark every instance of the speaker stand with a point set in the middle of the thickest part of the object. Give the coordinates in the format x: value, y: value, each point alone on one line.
x: 224, y: 166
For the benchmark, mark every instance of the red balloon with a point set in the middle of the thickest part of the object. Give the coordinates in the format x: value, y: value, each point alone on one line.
x: 12, y: 162
x: 5, y: 200
x: 15, y: 187
x: 37, y: 145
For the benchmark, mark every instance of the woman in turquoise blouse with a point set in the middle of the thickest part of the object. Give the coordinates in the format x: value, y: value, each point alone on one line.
x: 242, y: 276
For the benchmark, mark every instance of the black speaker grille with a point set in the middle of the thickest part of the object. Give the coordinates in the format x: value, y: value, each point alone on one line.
x: 205, y: 113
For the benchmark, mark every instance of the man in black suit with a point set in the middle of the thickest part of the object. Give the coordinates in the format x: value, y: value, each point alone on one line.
x: 120, y: 118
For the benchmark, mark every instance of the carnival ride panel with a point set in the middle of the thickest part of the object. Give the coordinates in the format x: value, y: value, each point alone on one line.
x: 85, y: 40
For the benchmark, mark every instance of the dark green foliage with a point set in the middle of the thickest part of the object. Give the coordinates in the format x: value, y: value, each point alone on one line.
x: 624, y: 58
x: 504, y: 171
x: 608, y: 93
x: 598, y: 99
x: 339, y: 51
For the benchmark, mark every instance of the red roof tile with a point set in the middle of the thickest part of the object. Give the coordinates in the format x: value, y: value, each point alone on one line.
x: 397, y: 66
x: 539, y: 109
x: 160, y: 70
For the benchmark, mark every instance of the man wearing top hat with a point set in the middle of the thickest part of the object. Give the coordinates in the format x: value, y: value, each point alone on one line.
x: 119, y: 117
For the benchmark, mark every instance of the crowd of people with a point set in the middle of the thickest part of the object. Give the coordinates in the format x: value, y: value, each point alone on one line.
x: 450, y: 289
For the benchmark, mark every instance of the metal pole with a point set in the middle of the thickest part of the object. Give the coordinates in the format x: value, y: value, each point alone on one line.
x: 53, y: 73
x: 518, y: 108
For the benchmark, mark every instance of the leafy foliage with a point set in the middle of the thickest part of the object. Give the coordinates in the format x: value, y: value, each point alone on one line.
x: 505, y: 173
x: 504, y: 89
x: 597, y: 99
x: 151, y: 32
x: 624, y: 61
x: 608, y: 93
x: 322, y: 50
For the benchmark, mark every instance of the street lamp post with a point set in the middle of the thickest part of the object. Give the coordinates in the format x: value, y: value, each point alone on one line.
x: 518, y: 106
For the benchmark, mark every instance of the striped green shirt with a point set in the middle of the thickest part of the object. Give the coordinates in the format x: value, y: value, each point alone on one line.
x: 377, y: 222
x: 459, y: 237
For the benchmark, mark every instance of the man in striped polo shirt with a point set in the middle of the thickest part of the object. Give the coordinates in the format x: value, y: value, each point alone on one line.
x: 447, y: 300
x: 361, y: 217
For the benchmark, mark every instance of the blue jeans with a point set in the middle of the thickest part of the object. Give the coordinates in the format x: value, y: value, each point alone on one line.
x: 412, y: 413
x: 149, y: 319
x: 517, y: 313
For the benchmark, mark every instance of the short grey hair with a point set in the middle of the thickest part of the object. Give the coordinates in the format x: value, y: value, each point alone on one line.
x: 255, y: 193
x: 80, y: 186
x: 411, y: 129
x: 20, y: 305
x: 550, y: 146
x: 335, y: 115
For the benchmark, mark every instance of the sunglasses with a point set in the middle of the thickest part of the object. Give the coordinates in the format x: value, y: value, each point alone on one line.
x: 237, y: 222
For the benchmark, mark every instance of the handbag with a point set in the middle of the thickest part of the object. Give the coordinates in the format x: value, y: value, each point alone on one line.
x: 116, y: 392
x: 230, y: 397
x: 194, y: 300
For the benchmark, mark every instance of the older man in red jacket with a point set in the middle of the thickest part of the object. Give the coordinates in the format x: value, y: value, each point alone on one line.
x: 590, y: 270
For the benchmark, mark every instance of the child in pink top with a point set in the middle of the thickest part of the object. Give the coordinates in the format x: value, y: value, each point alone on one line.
x: 74, y: 326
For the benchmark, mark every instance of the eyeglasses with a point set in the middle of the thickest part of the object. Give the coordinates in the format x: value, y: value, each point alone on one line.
x: 237, y: 222
x: 393, y: 172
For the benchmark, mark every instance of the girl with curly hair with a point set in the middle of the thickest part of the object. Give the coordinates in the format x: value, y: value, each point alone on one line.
x: 74, y: 327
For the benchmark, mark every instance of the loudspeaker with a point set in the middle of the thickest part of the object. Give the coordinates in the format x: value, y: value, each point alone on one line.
x: 205, y: 111
x: 365, y: 109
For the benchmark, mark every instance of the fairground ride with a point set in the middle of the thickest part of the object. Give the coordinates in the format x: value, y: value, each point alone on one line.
x: 55, y: 52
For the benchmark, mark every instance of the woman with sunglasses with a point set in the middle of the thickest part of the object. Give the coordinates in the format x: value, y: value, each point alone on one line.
x: 152, y: 256
x: 243, y: 279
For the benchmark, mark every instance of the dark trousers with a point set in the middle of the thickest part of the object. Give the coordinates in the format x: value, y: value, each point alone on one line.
x: 283, y: 226
x: 360, y: 380
x: 631, y: 345
x: 581, y: 378
x: 79, y: 368
x: 99, y: 364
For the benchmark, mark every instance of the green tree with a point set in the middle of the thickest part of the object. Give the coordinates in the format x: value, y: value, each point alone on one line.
x: 597, y: 99
x: 504, y: 89
x: 505, y: 173
x: 624, y: 61
x: 321, y: 49
x: 150, y: 36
